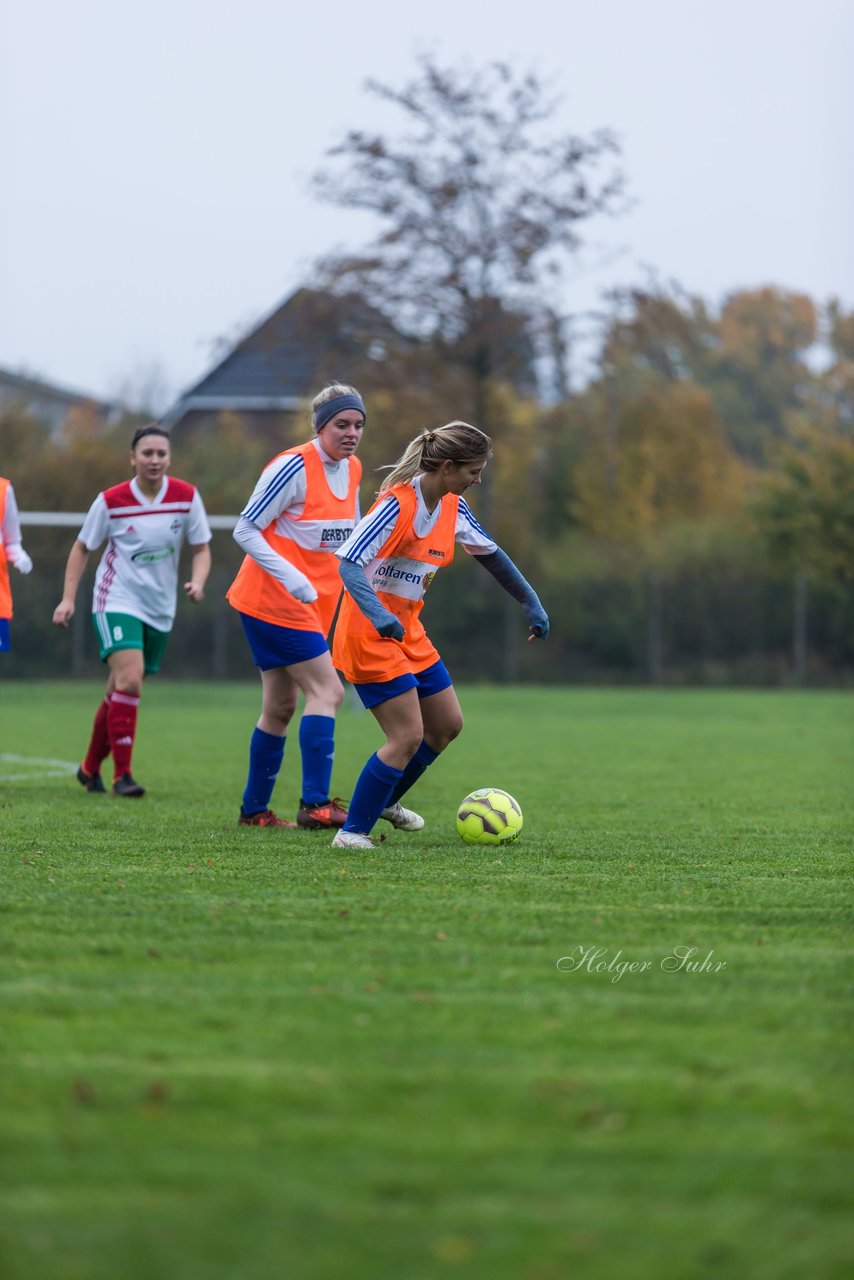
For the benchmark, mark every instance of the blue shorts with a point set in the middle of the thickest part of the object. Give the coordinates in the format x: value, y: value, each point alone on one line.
x: 275, y: 646
x: 433, y: 680
x: 5, y: 636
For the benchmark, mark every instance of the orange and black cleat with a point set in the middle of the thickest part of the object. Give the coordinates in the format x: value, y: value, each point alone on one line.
x: 331, y: 813
x: 266, y: 818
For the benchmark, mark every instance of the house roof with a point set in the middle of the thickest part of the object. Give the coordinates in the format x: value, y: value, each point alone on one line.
x: 26, y: 388
x: 275, y: 366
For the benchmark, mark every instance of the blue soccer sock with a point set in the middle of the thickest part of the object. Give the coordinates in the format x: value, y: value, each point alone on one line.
x: 317, y: 744
x: 266, y: 753
x: 375, y: 785
x: 422, y: 760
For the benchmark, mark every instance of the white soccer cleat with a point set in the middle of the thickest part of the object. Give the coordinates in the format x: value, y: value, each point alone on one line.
x: 352, y: 840
x: 402, y: 819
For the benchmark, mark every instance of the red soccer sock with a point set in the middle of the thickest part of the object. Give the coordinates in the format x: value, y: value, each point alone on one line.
x: 99, y: 743
x: 121, y: 723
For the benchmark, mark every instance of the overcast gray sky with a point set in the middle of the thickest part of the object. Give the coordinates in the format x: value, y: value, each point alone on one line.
x: 156, y: 158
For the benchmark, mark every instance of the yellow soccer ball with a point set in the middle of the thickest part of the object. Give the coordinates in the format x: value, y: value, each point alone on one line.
x: 489, y: 816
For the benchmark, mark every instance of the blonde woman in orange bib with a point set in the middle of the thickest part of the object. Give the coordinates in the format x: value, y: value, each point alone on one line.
x: 380, y: 643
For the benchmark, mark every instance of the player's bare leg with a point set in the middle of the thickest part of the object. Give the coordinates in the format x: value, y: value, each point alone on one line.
x: 443, y: 718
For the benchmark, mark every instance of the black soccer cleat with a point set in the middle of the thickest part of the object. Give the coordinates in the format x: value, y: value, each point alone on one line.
x: 91, y: 781
x: 127, y: 787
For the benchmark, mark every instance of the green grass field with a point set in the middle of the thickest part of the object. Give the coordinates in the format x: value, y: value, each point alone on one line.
x: 242, y: 1054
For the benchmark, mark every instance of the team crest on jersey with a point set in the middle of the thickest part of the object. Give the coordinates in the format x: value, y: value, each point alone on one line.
x: 175, y: 525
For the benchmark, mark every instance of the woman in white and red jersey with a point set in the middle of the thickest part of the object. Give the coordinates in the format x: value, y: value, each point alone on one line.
x: 380, y: 642
x: 145, y: 521
x: 302, y: 509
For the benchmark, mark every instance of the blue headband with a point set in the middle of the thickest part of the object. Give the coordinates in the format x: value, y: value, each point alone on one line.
x: 331, y: 407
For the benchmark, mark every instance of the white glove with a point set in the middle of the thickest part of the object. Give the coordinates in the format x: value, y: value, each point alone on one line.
x: 255, y: 545
x: 303, y: 591
x: 17, y: 556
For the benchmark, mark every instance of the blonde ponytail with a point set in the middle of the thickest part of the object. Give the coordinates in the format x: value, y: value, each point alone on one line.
x: 456, y: 442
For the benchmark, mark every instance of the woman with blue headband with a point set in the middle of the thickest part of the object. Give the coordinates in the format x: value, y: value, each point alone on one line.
x: 303, y: 508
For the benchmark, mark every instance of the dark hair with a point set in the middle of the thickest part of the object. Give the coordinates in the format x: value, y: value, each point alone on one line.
x: 150, y: 429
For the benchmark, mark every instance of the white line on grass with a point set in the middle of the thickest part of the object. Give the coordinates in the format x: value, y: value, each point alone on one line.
x: 46, y: 765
